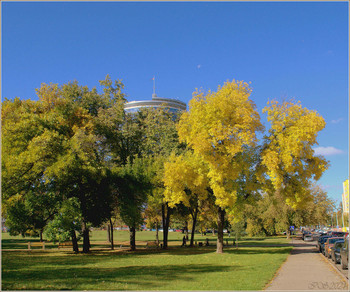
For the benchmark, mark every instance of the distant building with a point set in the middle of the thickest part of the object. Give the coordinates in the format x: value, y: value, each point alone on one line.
x: 174, y: 105
x: 346, y: 197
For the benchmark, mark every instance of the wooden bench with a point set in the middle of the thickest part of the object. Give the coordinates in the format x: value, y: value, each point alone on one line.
x: 65, y: 244
x: 150, y: 244
x: 32, y: 244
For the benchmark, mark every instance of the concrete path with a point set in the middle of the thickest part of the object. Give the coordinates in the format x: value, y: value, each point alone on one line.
x: 307, y: 269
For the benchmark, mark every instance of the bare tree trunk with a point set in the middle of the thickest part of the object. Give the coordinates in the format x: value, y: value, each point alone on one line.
x: 220, y: 241
x: 74, y: 241
x: 166, y: 221
x: 41, y: 235
x: 108, y: 233
x: 86, y: 238
x: 186, y: 229
x: 111, y: 235
x: 132, y: 238
x: 157, y: 233
x: 287, y: 233
x: 194, y: 221
x: 213, y: 231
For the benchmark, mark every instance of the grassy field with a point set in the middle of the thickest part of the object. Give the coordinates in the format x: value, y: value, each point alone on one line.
x: 98, y: 240
x: 250, y: 267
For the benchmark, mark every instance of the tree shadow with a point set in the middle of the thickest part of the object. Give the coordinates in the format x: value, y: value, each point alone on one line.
x: 259, y: 250
x: 304, y: 250
x: 147, y: 277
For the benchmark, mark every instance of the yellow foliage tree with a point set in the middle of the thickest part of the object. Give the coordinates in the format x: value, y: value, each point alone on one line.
x: 185, y: 180
x: 218, y: 127
x: 290, y: 161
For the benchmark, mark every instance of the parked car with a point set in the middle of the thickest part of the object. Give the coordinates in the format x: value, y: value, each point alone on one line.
x: 328, y: 245
x: 335, y: 251
x: 320, y: 242
x: 344, y: 254
x: 308, y: 237
x: 305, y: 233
x: 336, y: 233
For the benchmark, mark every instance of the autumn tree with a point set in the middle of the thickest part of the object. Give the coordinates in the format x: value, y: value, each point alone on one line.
x: 207, y: 218
x: 217, y: 127
x: 186, y: 182
x: 318, y: 211
x: 288, y: 156
x: 271, y: 215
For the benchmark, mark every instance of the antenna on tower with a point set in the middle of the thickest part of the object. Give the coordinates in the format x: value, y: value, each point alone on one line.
x: 154, y: 87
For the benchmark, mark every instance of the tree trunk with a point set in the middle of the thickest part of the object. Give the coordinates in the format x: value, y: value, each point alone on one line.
x: 165, y: 221
x: 86, y: 239
x: 157, y: 233
x: 220, y: 241
x: 194, y: 221
x: 132, y: 238
x: 108, y: 233
x: 287, y: 233
x: 186, y: 230
x: 111, y: 236
x: 74, y: 241
x: 41, y: 235
x: 213, y: 231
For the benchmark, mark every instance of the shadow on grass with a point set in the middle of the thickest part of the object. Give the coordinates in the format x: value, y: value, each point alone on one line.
x: 259, y: 250
x: 23, y: 244
x: 147, y: 277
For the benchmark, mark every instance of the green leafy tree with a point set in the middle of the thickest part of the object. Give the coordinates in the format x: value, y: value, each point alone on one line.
x: 66, y: 223
x: 132, y: 186
x: 63, y: 147
x: 160, y: 139
x: 153, y: 214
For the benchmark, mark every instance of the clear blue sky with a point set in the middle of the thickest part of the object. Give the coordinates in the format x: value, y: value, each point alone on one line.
x: 286, y: 50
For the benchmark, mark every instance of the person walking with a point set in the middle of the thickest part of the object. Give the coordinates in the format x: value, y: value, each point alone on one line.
x: 183, y: 241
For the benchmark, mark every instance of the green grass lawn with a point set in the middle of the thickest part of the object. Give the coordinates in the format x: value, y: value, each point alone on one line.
x: 199, y: 268
x: 98, y: 239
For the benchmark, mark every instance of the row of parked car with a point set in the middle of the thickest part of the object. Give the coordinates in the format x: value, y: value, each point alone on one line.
x: 334, y: 245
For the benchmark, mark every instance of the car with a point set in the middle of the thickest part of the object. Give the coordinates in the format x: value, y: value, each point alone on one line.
x: 320, y: 242
x: 335, y: 251
x: 305, y: 233
x: 344, y: 254
x: 336, y: 233
x: 308, y: 237
x: 328, y: 244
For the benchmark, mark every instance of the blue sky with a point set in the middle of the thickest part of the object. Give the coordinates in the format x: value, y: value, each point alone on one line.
x: 286, y: 50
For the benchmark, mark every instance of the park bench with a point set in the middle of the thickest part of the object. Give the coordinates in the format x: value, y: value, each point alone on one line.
x: 150, y: 244
x: 65, y: 244
x: 32, y: 244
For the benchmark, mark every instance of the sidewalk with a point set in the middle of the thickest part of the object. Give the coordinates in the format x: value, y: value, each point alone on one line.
x: 306, y: 269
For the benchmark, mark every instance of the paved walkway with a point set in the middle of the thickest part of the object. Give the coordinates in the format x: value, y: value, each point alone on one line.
x: 306, y: 269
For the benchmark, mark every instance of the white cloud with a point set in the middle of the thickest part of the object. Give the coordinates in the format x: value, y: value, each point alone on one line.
x: 326, y: 151
x: 336, y: 121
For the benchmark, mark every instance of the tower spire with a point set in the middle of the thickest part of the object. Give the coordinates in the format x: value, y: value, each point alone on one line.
x: 154, y: 87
